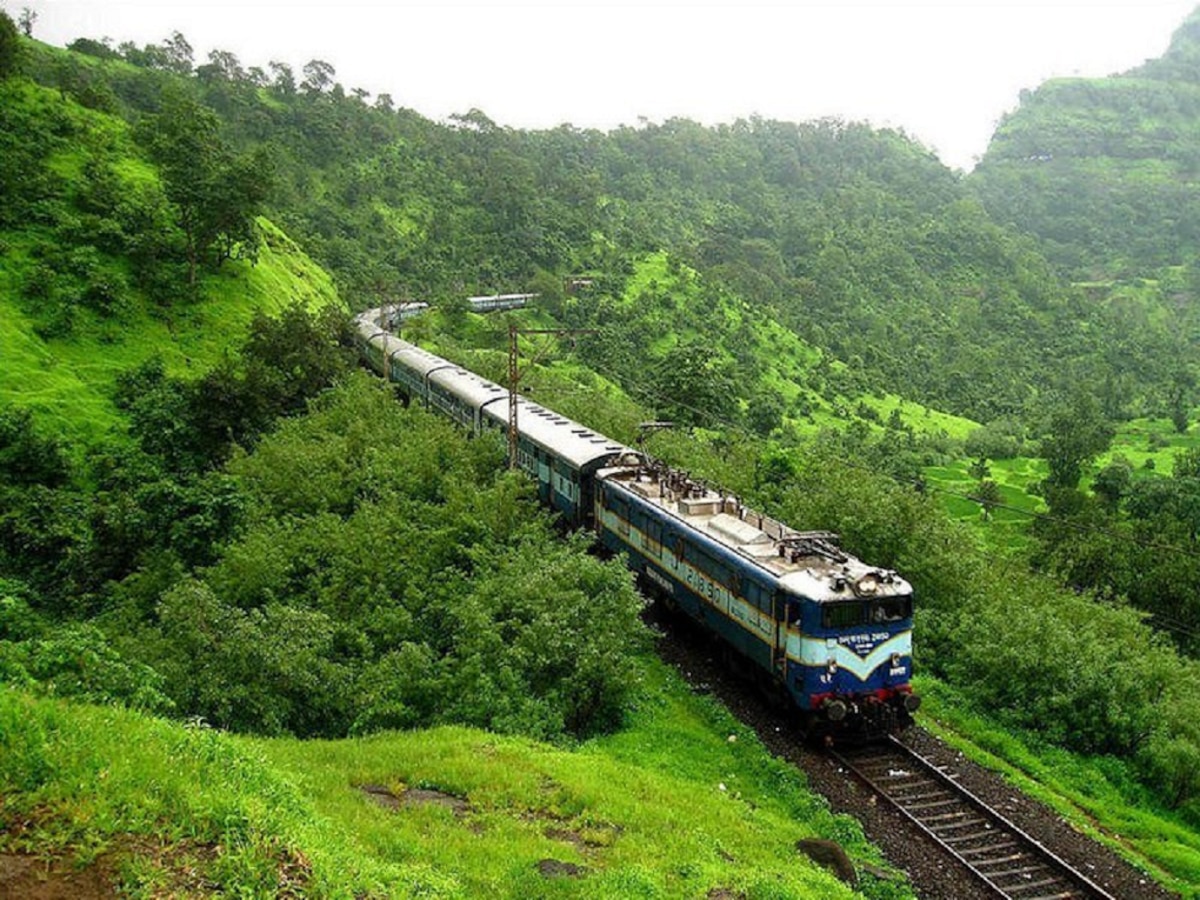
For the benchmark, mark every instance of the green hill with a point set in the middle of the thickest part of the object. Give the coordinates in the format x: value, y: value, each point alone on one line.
x: 269, y: 543
x: 77, y: 306
x: 1105, y: 171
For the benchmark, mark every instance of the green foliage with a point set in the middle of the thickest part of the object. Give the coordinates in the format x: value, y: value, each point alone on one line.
x: 692, y: 386
x: 193, y: 425
x: 1112, y: 483
x: 217, y: 195
x: 27, y: 456
x: 10, y: 46
x: 419, y: 588
x: 999, y: 439
x: 1076, y: 432
x: 75, y: 661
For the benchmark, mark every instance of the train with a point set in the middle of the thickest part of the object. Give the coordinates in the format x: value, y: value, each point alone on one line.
x: 823, y: 630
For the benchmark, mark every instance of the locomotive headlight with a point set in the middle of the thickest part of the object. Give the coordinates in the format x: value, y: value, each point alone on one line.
x: 832, y: 665
x: 912, y: 702
x: 895, y: 660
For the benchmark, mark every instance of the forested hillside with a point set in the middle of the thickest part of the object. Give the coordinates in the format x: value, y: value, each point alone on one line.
x: 1106, y: 171
x: 858, y: 240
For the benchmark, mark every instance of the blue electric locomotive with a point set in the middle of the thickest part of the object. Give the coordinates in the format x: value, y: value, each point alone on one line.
x: 830, y: 632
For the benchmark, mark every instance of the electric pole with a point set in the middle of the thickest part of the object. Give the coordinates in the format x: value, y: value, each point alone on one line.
x: 514, y: 375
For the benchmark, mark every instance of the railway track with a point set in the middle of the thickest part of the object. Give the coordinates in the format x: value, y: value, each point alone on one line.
x: 1008, y: 862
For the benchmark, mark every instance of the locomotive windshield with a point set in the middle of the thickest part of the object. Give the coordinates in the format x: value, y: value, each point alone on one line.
x: 891, y: 609
x: 882, y: 611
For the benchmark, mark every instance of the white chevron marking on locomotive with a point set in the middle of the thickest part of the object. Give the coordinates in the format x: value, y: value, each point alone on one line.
x: 818, y: 652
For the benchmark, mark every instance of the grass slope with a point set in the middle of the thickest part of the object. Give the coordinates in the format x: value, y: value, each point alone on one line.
x: 682, y: 802
x: 59, y: 354
x: 68, y: 381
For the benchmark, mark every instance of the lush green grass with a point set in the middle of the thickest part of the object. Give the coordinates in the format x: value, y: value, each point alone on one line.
x: 1097, y: 795
x: 682, y: 801
x: 1150, y: 445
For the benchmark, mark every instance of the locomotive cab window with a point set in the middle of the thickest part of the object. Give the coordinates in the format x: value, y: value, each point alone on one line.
x: 844, y: 615
x: 891, y: 609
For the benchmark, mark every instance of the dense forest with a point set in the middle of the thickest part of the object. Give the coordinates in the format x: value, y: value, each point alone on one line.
x: 267, y: 541
x: 858, y: 240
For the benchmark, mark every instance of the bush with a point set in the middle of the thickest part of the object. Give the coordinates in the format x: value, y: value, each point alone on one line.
x: 999, y: 439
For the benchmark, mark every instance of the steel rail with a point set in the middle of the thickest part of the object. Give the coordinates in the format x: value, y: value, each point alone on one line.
x: 1021, y: 855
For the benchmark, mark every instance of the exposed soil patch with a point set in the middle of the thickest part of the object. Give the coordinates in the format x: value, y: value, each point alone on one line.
x: 415, y: 797
x: 556, y: 868
x: 933, y: 874
x: 587, y: 838
x: 25, y: 877
x: 180, y: 869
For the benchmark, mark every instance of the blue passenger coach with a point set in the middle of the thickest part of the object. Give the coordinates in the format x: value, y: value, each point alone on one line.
x: 561, y: 455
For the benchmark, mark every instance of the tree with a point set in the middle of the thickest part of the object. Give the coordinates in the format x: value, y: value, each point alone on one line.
x: 987, y: 495
x: 1111, y: 483
x: 27, y: 20
x: 1182, y: 384
x: 222, y: 65
x: 10, y: 46
x: 318, y: 76
x: 284, y: 82
x: 766, y: 412
x: 1077, y: 432
x: 178, y: 55
x: 693, y: 385
x: 217, y: 195
x: 979, y: 469
x: 26, y: 456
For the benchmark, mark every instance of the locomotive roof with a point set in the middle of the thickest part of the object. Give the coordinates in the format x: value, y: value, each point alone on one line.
x: 808, y: 564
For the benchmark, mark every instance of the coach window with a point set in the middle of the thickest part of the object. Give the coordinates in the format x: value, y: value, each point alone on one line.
x: 621, y: 508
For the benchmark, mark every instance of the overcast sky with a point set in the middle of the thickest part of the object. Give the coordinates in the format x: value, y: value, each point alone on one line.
x: 944, y: 72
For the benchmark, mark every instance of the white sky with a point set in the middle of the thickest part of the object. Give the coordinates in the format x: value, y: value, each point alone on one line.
x: 944, y: 72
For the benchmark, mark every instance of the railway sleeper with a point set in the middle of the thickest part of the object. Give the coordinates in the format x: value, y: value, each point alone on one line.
x: 1012, y: 889
x: 1062, y: 895
x: 990, y: 848
x: 899, y: 788
x: 934, y: 804
x: 944, y: 817
x: 1024, y: 871
x: 965, y: 823
x: 967, y: 838
x: 1000, y: 860
x: 873, y: 760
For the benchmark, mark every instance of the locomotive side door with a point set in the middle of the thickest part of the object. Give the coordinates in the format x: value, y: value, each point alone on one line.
x: 779, y: 613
